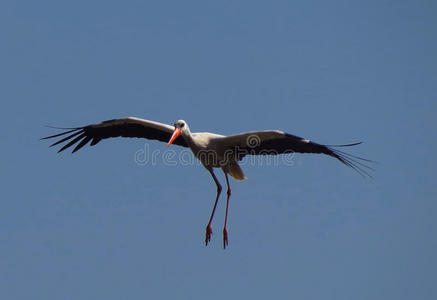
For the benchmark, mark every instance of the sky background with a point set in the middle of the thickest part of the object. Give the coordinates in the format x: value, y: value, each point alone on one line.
x: 99, y: 225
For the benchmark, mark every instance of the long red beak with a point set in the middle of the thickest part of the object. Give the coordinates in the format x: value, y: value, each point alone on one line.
x: 176, y: 133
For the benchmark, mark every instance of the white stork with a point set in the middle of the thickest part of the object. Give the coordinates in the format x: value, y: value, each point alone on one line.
x: 213, y: 150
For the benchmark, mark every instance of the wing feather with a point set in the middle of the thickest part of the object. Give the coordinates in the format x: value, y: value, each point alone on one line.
x: 66, y: 138
x: 274, y: 142
x: 82, y: 143
x: 125, y: 127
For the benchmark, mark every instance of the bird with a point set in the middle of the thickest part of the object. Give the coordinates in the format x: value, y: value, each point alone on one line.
x: 213, y: 150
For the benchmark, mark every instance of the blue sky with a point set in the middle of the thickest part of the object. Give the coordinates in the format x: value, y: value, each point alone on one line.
x: 97, y: 224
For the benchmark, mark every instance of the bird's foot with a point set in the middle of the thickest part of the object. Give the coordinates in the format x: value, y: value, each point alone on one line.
x: 225, y: 238
x: 208, y: 234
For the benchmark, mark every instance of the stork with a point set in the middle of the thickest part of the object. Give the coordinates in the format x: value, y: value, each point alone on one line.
x: 213, y: 150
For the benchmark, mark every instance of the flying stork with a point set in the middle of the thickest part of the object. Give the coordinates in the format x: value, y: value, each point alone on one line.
x: 213, y: 150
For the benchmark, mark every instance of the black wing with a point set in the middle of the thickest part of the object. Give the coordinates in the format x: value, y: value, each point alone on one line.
x: 275, y: 142
x: 126, y: 127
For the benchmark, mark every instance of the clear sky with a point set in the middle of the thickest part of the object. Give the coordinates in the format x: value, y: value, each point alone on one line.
x: 100, y: 225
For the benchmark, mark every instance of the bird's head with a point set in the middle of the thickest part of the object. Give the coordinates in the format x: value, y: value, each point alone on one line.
x: 180, y: 127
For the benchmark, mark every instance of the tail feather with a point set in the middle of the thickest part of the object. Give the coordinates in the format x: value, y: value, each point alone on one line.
x: 235, y: 171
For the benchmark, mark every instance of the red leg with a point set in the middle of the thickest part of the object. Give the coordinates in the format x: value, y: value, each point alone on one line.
x: 225, y: 229
x: 219, y: 189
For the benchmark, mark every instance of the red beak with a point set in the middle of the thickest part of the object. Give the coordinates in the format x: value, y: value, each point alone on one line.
x: 176, y: 133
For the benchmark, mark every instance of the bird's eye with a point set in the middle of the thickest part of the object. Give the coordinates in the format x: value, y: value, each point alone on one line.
x: 182, y: 125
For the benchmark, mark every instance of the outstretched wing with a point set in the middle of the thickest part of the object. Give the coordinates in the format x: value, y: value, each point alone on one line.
x: 273, y: 142
x: 126, y: 127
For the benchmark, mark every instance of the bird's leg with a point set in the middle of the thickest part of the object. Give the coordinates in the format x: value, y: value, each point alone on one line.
x: 225, y: 229
x: 219, y: 189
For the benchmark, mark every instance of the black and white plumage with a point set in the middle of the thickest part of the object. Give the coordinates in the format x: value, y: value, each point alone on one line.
x: 213, y: 150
